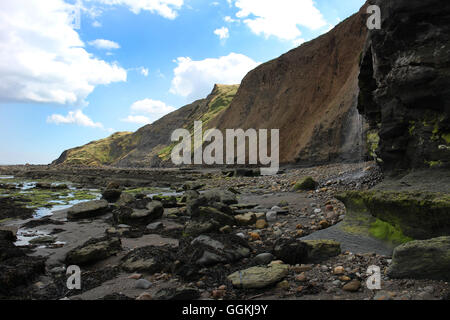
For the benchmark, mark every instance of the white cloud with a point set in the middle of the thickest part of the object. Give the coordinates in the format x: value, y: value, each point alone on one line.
x: 195, y: 79
x: 104, y: 44
x: 223, y: 33
x: 298, y: 42
x: 137, y: 119
x: 144, y: 71
x: 153, y: 110
x: 42, y: 58
x: 74, y: 117
x: 280, y: 18
x: 166, y: 8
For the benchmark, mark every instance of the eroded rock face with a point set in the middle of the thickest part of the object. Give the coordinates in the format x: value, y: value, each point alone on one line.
x: 405, y: 84
x: 427, y: 259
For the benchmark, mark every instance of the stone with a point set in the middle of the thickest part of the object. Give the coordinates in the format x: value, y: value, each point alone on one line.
x: 261, y: 224
x: 137, y: 216
x: 111, y: 195
x: 145, y: 296
x: 306, y: 184
x: 93, y: 250
x: 246, y: 219
x: 339, y: 270
x: 295, y: 251
x: 320, y: 250
x: 263, y: 258
x: 89, y: 209
x: 301, y: 277
x: 143, y: 284
x: 125, y: 199
x: 259, y: 277
x: 352, y: 286
x: 422, y: 259
x: 155, y: 226
x: 271, y: 216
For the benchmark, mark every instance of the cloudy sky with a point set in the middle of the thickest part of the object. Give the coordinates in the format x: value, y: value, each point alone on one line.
x: 66, y: 81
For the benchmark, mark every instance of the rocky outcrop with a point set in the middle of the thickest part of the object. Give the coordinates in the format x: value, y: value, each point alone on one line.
x: 93, y: 250
x: 428, y: 259
x: 405, y: 84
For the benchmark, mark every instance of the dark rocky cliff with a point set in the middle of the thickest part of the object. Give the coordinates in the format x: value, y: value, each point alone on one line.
x: 405, y: 84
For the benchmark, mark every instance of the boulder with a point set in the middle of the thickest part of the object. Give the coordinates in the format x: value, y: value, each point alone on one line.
x: 246, y: 219
x: 93, y: 250
x: 111, y: 195
x: 89, y: 209
x: 149, y: 259
x: 422, y: 259
x: 294, y: 251
x: 259, y: 277
x: 306, y: 184
x: 152, y: 211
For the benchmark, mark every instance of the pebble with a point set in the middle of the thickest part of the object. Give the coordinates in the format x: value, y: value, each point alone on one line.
x: 301, y: 277
x: 271, y: 216
x: 135, y: 276
x: 144, y: 296
x: 317, y: 211
x: 263, y: 258
x: 241, y: 235
x: 261, y: 224
x: 339, y: 270
x: 143, y: 284
x: 352, y: 286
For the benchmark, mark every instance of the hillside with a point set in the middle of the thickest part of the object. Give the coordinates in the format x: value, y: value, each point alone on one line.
x: 151, y: 144
x: 309, y: 93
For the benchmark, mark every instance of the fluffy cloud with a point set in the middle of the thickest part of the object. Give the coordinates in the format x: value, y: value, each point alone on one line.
x: 195, y: 79
x: 144, y: 71
x: 280, y: 18
x: 166, y: 8
x: 104, y: 44
x: 74, y: 117
x: 153, y: 110
x: 42, y: 58
x: 223, y: 33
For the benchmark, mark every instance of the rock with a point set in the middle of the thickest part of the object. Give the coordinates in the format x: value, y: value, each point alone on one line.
x: 138, y: 216
x: 42, y: 240
x: 145, y: 296
x: 209, y: 213
x: 413, y: 215
x: 301, y: 277
x: 259, y: 277
x: 261, y: 224
x: 246, y: 219
x: 293, y: 251
x: 111, y: 195
x: 113, y: 185
x: 125, y: 199
x: 352, y: 286
x: 306, y: 184
x: 426, y: 259
x: 339, y: 270
x: 179, y: 293
x: 89, y: 209
x: 320, y: 250
x: 226, y: 229
x: 93, y: 250
x: 324, y: 224
x: 271, y: 216
x: 135, y: 276
x: 149, y: 259
x: 143, y: 284
x: 263, y: 258
x: 196, y: 228
x: 155, y: 226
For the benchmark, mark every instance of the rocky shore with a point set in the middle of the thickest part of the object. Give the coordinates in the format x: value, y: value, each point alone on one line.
x: 215, y: 234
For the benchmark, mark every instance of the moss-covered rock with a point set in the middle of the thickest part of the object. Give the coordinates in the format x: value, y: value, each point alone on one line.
x: 320, y: 250
x: 93, y: 250
x: 417, y: 215
x: 306, y: 184
x: 425, y: 259
x: 259, y: 277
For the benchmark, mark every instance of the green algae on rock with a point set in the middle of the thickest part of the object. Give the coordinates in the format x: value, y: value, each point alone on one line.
x: 306, y: 184
x: 426, y: 259
x: 417, y: 215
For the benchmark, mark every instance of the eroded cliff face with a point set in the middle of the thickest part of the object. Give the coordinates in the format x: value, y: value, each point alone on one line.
x: 310, y: 94
x: 405, y: 84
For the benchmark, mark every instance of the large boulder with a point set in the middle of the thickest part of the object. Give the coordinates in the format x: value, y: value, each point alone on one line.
x: 422, y: 259
x: 93, y: 250
x: 259, y: 277
x: 89, y: 209
x: 139, y: 216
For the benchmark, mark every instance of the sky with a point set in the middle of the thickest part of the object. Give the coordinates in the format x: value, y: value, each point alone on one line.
x: 76, y: 71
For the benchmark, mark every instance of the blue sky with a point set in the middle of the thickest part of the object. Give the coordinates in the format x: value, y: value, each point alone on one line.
x: 131, y: 62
